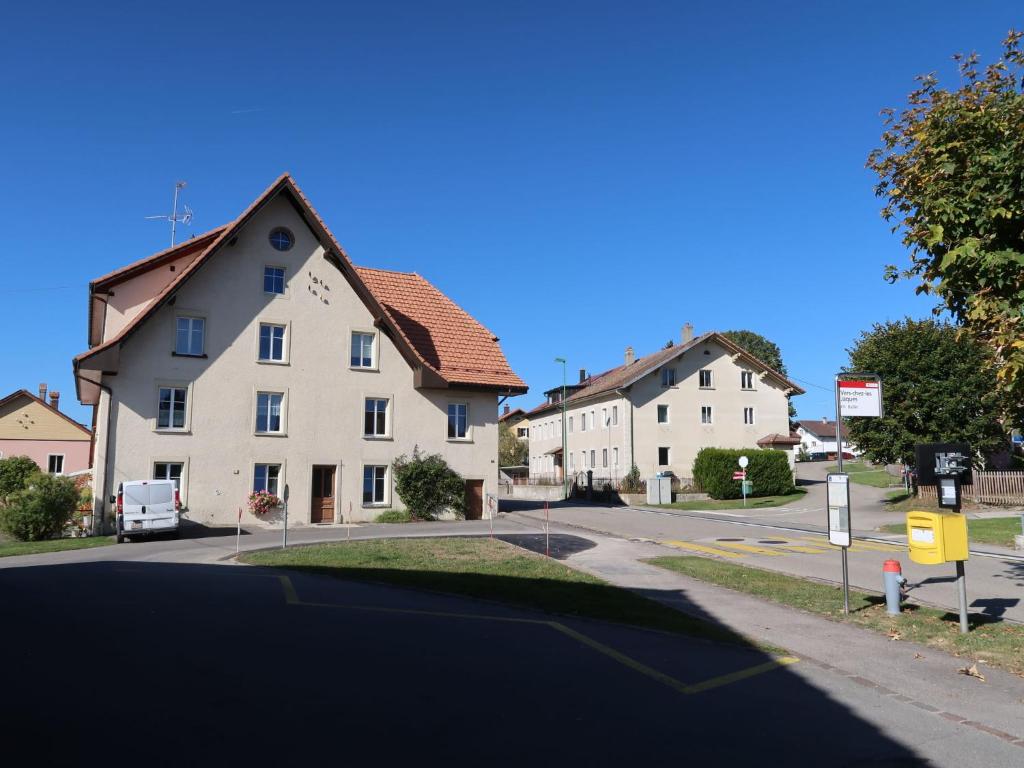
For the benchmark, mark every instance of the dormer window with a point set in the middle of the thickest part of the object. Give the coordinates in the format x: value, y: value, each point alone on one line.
x: 282, y: 239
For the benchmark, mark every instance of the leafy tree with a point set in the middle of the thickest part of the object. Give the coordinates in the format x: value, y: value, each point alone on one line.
x: 15, y: 473
x: 428, y: 486
x: 512, y: 452
x: 937, y: 387
x: 766, y: 351
x: 951, y: 168
x: 40, y: 510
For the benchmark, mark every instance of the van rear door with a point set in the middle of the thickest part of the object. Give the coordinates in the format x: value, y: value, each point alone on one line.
x: 149, y: 504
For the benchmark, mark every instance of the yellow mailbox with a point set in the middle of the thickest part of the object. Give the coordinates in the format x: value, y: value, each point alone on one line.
x: 936, y: 537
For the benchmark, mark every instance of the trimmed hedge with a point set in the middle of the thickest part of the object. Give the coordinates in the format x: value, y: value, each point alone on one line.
x: 768, y: 470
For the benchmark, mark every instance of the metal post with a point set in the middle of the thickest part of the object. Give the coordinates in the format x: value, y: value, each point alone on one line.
x: 565, y: 457
x: 174, y: 211
x: 284, y: 540
x: 839, y: 465
x: 547, y: 531
x: 961, y: 588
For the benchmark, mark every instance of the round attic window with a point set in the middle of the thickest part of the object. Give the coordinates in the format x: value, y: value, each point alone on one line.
x: 282, y: 239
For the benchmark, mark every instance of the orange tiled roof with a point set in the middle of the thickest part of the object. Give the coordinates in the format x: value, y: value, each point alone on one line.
x: 443, y: 334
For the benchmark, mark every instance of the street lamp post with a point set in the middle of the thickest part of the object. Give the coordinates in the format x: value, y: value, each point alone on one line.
x: 565, y: 477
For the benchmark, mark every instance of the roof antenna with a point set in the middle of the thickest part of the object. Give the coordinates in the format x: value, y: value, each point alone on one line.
x: 185, y: 218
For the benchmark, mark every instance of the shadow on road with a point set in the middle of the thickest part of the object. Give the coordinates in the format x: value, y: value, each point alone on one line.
x: 165, y: 664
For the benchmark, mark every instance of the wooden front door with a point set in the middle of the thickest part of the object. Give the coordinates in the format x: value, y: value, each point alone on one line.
x: 474, y: 499
x: 322, y: 510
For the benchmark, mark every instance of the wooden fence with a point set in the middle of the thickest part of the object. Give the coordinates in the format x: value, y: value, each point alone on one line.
x: 987, y: 488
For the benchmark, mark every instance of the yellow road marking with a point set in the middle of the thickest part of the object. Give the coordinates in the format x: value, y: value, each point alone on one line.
x: 803, y: 548
x: 292, y: 598
x: 747, y: 548
x: 861, y: 546
x: 700, y: 548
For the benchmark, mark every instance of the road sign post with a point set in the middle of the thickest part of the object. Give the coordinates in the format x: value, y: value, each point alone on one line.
x: 744, y: 461
x: 857, y: 395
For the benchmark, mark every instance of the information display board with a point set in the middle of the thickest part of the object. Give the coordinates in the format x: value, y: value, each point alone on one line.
x: 838, y: 486
x: 860, y: 397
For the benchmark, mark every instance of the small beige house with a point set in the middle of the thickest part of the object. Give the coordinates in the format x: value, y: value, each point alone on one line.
x: 658, y: 411
x: 258, y: 357
x: 30, y: 426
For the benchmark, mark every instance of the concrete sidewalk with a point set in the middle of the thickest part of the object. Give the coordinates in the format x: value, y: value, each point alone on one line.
x: 902, y: 672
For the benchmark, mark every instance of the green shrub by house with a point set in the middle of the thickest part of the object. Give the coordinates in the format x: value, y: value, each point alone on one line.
x: 41, y: 510
x: 428, y: 486
x: 768, y: 470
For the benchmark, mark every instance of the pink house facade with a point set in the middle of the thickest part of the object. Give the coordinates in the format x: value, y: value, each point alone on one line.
x: 29, y: 426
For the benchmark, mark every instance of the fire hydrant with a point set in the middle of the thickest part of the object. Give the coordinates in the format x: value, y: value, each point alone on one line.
x: 894, y: 581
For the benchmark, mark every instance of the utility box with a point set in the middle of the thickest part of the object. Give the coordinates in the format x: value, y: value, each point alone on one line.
x: 659, y: 489
x: 936, y: 537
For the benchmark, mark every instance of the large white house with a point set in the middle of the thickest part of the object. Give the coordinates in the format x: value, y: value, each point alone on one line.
x: 658, y: 411
x: 258, y: 357
x: 819, y: 437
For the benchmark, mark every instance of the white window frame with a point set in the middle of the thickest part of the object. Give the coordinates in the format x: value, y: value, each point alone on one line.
x: 191, y: 317
x: 283, y: 431
x: 708, y: 412
x: 666, y: 411
x: 284, y: 280
x: 593, y: 459
x: 280, y: 476
x: 183, y: 480
x: 468, y: 436
x: 747, y: 376
x: 668, y: 377
x: 570, y: 425
x: 386, y: 434
x: 384, y: 501
x: 710, y: 378
x: 572, y: 461
x: 187, y: 386
x: 748, y: 410
x: 49, y: 460
x: 604, y: 418
x: 604, y: 458
x: 374, y: 350
x: 615, y: 456
x: 285, y: 342
x: 583, y: 421
x: 615, y: 415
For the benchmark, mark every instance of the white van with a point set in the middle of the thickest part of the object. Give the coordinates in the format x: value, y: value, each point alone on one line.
x: 147, y: 507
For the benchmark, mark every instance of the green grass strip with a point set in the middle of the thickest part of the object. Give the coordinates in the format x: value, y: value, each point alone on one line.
x: 489, y: 569
x: 12, y: 548
x: 998, y: 643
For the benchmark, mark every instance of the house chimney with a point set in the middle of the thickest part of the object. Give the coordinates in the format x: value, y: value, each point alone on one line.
x: 583, y: 375
x: 55, y: 400
x: 687, y: 333
x: 630, y: 356
x: 42, y: 391
x: 505, y: 412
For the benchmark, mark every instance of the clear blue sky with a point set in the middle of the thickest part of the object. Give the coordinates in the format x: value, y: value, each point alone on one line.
x: 579, y: 176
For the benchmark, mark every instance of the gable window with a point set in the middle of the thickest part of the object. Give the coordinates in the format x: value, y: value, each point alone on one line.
x: 746, y: 379
x: 266, y: 477
x: 168, y: 470
x: 663, y: 414
x: 748, y: 415
x: 375, y: 421
x: 615, y: 415
x: 374, y: 485
x: 55, y: 463
x: 705, y: 414
x: 362, y: 350
x: 663, y: 457
x: 188, y: 336
x: 523, y: 432
x: 271, y: 343
x: 458, y: 421
x: 268, y: 412
x: 282, y: 239
x: 273, y: 280
x: 171, y: 409
x: 705, y: 378
x: 668, y: 377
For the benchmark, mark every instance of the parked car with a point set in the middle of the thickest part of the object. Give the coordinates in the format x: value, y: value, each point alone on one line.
x: 147, y: 507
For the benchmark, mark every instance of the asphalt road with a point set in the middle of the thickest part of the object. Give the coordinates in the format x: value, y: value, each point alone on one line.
x: 132, y: 661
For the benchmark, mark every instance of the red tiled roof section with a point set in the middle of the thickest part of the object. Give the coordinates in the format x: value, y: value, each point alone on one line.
x: 443, y: 334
